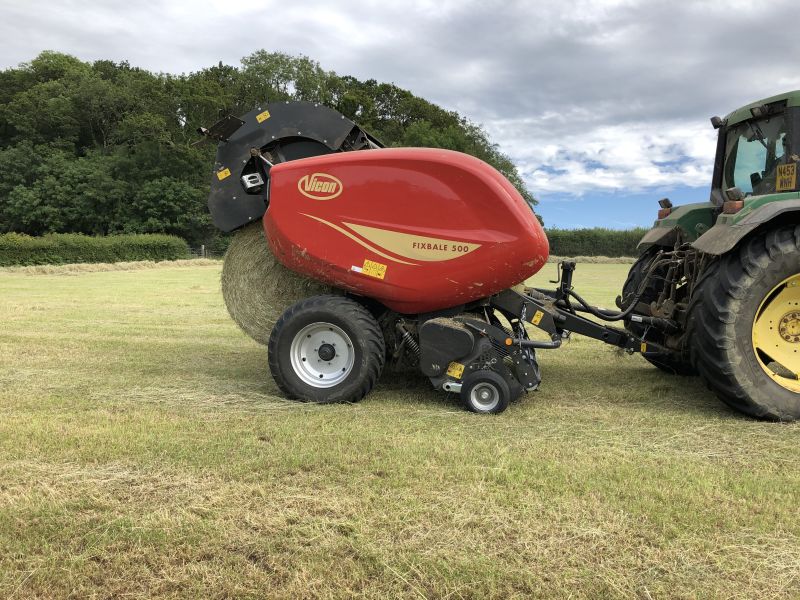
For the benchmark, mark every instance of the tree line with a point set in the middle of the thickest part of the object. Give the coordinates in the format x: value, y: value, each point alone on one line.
x: 104, y: 147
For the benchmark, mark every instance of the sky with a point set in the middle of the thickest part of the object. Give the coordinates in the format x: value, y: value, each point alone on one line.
x: 603, y: 106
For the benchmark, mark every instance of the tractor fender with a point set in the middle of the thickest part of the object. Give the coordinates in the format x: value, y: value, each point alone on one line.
x: 684, y: 224
x: 659, y: 236
x: 723, y: 237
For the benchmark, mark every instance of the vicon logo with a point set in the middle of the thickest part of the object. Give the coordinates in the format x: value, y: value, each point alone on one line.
x: 320, y: 186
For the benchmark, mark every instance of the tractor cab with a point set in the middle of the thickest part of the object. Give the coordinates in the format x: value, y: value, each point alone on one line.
x: 754, y: 182
x: 757, y: 152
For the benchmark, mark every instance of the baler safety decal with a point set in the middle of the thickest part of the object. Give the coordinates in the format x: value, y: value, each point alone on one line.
x: 373, y: 269
x: 455, y: 369
x: 358, y: 241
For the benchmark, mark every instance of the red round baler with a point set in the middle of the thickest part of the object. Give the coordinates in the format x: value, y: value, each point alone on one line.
x: 426, y: 252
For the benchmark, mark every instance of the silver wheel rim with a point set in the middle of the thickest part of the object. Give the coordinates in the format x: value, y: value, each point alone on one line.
x: 484, y: 396
x: 322, y: 355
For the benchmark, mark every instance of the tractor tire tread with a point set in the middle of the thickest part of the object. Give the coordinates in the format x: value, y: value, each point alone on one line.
x: 713, y: 310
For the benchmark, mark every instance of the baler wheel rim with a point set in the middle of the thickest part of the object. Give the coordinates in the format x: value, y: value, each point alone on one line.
x: 309, y: 362
x: 485, y: 396
x: 485, y: 381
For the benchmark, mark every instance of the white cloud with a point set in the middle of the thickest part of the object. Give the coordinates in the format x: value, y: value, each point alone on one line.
x: 628, y: 157
x: 590, y: 95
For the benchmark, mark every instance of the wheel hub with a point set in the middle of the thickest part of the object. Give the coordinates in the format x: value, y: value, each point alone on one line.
x: 789, y: 327
x: 326, y: 351
x: 322, y: 355
x: 485, y: 396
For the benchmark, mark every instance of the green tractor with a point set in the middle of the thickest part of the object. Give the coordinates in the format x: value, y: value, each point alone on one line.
x: 723, y: 277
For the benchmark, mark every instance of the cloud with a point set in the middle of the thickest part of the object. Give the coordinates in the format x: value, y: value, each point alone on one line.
x: 584, y: 96
x: 625, y: 157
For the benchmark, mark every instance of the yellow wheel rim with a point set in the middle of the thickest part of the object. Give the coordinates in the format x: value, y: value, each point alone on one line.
x: 776, y: 334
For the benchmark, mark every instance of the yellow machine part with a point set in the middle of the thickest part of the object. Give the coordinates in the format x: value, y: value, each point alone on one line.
x: 776, y: 334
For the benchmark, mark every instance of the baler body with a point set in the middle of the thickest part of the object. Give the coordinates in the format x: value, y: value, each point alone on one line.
x: 416, y: 229
x: 431, y: 247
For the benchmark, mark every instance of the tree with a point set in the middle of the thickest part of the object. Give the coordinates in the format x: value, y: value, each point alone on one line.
x: 68, y: 195
x: 105, y: 147
x: 167, y: 205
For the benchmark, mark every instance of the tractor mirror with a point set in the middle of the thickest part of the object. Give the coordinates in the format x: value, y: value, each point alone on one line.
x: 716, y: 122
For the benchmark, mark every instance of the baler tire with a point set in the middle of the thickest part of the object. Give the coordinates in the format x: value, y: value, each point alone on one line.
x: 354, y: 323
x: 673, y: 364
x: 724, y: 307
x: 491, y: 381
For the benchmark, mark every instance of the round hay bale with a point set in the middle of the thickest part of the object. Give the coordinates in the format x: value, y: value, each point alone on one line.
x: 257, y: 288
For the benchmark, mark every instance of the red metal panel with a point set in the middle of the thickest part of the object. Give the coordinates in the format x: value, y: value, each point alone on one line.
x: 417, y: 229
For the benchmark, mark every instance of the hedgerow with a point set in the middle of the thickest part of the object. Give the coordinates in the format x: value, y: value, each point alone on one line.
x: 66, y: 248
x: 594, y: 242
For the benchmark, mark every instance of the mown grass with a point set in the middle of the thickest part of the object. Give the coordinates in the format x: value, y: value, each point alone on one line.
x: 145, y: 451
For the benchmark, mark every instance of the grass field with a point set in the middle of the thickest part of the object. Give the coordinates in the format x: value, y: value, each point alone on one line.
x: 145, y: 451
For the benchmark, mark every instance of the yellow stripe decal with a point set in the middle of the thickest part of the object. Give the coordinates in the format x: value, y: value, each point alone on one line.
x: 414, y: 246
x: 358, y: 241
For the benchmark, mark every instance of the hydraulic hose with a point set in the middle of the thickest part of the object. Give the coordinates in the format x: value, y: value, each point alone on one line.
x: 606, y: 315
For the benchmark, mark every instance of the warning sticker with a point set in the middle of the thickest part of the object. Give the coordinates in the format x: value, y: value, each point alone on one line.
x: 261, y: 117
x: 455, y: 369
x: 537, y: 318
x: 223, y: 173
x: 374, y: 269
x: 787, y: 178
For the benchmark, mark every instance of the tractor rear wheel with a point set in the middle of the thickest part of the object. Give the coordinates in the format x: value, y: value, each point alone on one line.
x: 744, y: 323
x: 672, y: 363
x: 326, y: 349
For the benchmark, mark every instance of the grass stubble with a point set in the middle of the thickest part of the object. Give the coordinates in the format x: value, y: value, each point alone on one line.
x: 145, y: 452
